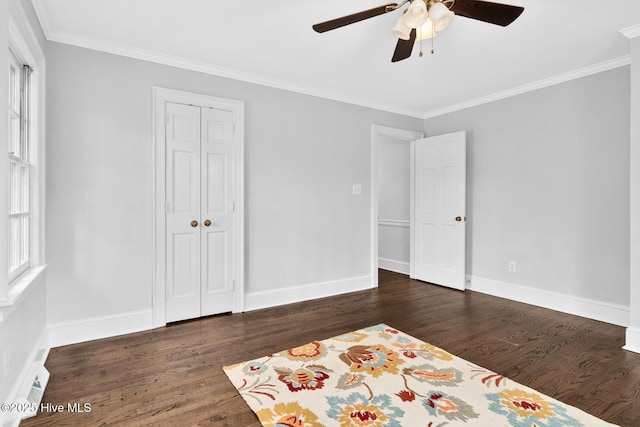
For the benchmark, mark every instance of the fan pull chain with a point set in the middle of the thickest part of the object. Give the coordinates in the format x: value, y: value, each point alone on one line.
x: 433, y: 36
x: 432, y: 43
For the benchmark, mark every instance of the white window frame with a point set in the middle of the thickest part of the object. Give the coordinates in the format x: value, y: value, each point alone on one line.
x: 19, y: 144
x: 24, y: 44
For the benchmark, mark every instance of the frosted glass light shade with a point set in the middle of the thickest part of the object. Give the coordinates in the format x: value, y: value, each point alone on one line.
x: 440, y: 15
x: 401, y: 30
x: 426, y: 31
x: 416, y: 14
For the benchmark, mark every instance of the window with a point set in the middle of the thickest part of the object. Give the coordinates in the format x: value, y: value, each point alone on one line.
x: 22, y: 180
x: 19, y: 167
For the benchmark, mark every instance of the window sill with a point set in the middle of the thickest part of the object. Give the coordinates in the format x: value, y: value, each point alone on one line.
x: 18, y: 289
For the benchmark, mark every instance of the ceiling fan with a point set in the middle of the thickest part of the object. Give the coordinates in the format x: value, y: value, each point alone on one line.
x: 423, y: 18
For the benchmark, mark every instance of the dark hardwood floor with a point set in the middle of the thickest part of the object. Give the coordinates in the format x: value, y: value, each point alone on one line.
x: 173, y: 376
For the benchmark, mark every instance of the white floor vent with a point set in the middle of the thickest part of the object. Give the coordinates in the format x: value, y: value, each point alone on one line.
x: 37, y: 389
x: 29, y: 399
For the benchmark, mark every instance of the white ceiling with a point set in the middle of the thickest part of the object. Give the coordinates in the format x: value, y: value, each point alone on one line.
x: 271, y: 42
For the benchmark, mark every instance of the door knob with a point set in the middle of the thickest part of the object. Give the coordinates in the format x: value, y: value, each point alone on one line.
x: 458, y: 218
x: 194, y: 223
x: 207, y: 222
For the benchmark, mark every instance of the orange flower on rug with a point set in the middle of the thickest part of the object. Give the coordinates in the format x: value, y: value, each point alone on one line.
x: 381, y: 377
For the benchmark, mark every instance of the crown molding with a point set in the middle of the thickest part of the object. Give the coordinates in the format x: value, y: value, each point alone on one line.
x: 540, y: 84
x: 21, y: 33
x: 43, y: 17
x: 187, y: 64
x: 631, y: 32
x: 61, y: 37
x: 175, y: 61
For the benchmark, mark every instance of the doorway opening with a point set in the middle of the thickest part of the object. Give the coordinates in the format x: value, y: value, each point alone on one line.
x: 391, y: 160
x: 418, y: 205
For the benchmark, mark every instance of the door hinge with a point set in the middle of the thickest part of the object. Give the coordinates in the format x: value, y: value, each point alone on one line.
x: 233, y: 285
x: 167, y: 294
x: 167, y: 120
x: 233, y: 207
x: 168, y: 207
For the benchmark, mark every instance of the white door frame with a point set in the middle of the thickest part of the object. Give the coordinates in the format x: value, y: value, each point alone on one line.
x: 377, y: 133
x: 160, y: 97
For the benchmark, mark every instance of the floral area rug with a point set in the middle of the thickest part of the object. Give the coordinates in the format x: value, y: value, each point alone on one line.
x: 379, y: 376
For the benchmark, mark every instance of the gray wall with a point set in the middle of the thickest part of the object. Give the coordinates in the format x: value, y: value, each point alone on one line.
x: 548, y: 187
x: 548, y: 184
x: 303, y: 154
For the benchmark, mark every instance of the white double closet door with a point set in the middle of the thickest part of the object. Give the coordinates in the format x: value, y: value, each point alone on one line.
x: 200, y: 209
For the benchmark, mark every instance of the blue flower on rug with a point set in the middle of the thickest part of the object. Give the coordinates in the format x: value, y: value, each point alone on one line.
x: 528, y: 409
x: 357, y: 411
x: 351, y: 337
x: 384, y: 331
x: 403, y: 340
x: 377, y: 328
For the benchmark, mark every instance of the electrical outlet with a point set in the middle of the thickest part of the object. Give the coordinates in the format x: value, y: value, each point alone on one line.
x: 357, y: 189
x: 512, y: 266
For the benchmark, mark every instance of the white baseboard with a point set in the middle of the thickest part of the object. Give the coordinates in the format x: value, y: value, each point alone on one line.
x: 632, y: 340
x: 21, y: 388
x: 592, y: 309
x: 257, y: 300
x: 100, y: 327
x: 393, y: 265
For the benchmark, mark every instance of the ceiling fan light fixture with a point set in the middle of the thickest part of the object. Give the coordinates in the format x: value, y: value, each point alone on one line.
x: 408, y: 28
x: 416, y: 14
x: 440, y: 15
x: 426, y: 31
x: 401, y: 30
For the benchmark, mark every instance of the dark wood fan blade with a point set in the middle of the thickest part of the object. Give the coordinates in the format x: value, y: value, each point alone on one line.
x: 353, y: 18
x: 404, y: 47
x: 493, y: 13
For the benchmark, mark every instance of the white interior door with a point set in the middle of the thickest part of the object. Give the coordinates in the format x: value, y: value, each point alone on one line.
x: 199, y: 215
x: 439, y: 204
x: 217, y: 208
x: 183, y: 207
